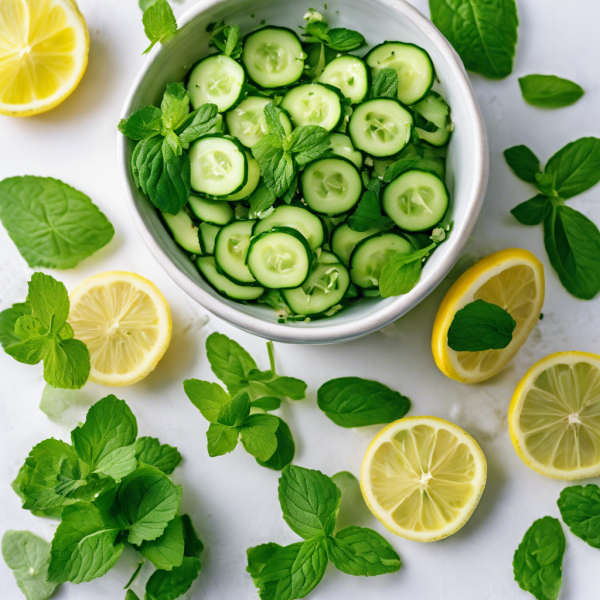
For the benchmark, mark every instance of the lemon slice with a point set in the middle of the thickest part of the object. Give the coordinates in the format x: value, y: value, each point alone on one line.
x: 422, y: 477
x: 513, y: 279
x: 554, y: 416
x: 44, y: 48
x: 125, y: 322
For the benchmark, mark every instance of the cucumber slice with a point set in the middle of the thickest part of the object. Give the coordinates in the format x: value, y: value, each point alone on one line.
x: 215, y: 212
x: 344, y: 240
x: 251, y: 184
x: 313, y: 104
x: 342, y: 146
x: 438, y: 137
x: 280, y: 259
x: 324, y: 288
x: 273, y: 57
x: 307, y: 223
x: 372, y: 254
x: 416, y: 200
x: 412, y: 63
x: 184, y: 232
x: 219, y: 165
x: 217, y: 79
x: 331, y: 186
x: 208, y: 236
x: 380, y: 127
x: 206, y: 265
x: 247, y: 120
x: 231, y: 250
x: 350, y: 75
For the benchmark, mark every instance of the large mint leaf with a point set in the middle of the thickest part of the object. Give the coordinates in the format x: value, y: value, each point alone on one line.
x: 166, y: 551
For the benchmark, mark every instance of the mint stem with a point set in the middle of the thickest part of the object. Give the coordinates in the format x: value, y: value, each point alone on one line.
x: 271, y: 350
x: 135, y: 574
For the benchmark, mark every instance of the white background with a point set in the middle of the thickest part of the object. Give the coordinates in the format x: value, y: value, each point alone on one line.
x: 232, y: 500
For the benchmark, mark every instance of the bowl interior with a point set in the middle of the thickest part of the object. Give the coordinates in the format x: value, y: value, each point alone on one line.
x: 377, y: 20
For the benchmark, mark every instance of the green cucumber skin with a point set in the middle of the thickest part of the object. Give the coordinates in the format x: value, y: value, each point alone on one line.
x: 220, y: 269
x: 331, y: 88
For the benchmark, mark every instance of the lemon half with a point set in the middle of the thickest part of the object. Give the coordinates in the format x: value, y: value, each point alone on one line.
x: 514, y: 280
x: 44, y: 48
x: 125, y: 322
x: 554, y: 416
x: 422, y: 477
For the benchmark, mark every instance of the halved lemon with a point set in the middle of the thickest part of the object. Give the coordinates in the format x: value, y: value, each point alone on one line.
x: 422, y: 477
x: 513, y: 279
x: 44, y: 48
x: 554, y: 416
x: 125, y: 322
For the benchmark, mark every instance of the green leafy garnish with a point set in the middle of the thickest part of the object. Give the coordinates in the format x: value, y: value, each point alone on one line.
x: 480, y: 326
x: 385, y: 84
x: 150, y: 451
x: 339, y: 39
x: 159, y: 23
x: 310, y: 502
x: 368, y: 212
x: 227, y: 40
x: 523, y: 162
x: 8, y: 320
x: 580, y: 509
x: 52, y: 224
x: 549, y: 91
x: 537, y: 563
x: 531, y: 212
x: 356, y: 402
x: 402, y: 272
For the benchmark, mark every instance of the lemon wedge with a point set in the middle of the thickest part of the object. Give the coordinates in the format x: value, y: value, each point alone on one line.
x: 422, y: 477
x: 512, y: 279
x: 125, y: 322
x: 44, y: 48
x: 554, y: 416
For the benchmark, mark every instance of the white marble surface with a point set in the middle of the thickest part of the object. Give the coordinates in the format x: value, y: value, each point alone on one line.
x: 232, y: 500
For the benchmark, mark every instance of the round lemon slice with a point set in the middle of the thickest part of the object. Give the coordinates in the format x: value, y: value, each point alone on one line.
x: 554, y: 416
x: 513, y: 279
x: 125, y: 322
x: 422, y: 477
x: 44, y: 48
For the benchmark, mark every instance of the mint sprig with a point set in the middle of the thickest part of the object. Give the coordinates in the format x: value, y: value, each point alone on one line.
x: 339, y: 39
x: 227, y: 39
x: 580, y: 510
x: 159, y: 23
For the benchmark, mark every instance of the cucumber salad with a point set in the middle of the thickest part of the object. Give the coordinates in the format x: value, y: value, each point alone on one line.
x: 293, y: 168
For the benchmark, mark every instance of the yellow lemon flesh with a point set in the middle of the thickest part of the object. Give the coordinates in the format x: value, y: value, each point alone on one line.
x: 422, y: 477
x: 43, y: 54
x: 512, y: 279
x: 125, y: 322
x: 554, y: 416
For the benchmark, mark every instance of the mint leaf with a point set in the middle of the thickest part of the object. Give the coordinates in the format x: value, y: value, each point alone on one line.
x: 356, y: 402
x: 175, y: 106
x: 192, y: 544
x: 580, y: 510
x: 150, y: 451
x: 546, y: 183
x: 276, y: 165
x: 204, y: 119
x: 146, y: 501
x: 261, y: 200
x: 480, y: 326
x: 286, y: 448
x: 106, y: 441
x: 309, y: 500
x: 143, y: 124
x: 83, y: 547
x: 266, y: 403
x: 385, y: 84
x: 399, y: 167
x: 166, y: 551
x: 227, y: 40
x: 168, y: 585
x: 575, y: 167
x: 483, y: 33
x: 221, y: 439
x: 273, y: 121
x: 531, y: 212
x: 208, y: 398
x: 345, y: 40
x: 8, y: 320
x: 308, y: 143
x: 290, y: 387
x: 523, y: 162
x: 159, y: 23
x: 258, y: 436
x: 235, y: 412
x: 368, y: 212
x: 52, y: 224
x: 258, y: 557
x: 28, y: 557
x: 362, y: 551
x: 537, y: 563
x: 131, y: 595
x: 549, y: 91
x: 402, y: 272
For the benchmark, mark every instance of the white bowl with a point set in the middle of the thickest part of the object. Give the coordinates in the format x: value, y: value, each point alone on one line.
x: 377, y: 20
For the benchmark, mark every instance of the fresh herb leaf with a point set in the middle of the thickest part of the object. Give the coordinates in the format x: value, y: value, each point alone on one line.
x: 362, y: 551
x: 546, y: 183
x: 480, y: 326
x: 276, y: 165
x: 308, y: 143
x: 159, y: 23
x: 284, y: 453
x: 549, y: 91
x: 385, y: 84
x: 209, y: 398
x: 402, y: 272
x: 131, y: 595
x: 261, y: 200
x: 166, y: 551
x: 192, y: 544
x: 227, y: 40
x: 168, y: 585
x: 290, y: 387
x: 175, y: 107
x: 236, y: 411
x: 483, y: 33
x: 345, y: 40
x: 523, y: 162
x: 258, y: 436
x: 28, y: 556
x: 8, y: 320
x: 356, y: 402
x: 537, y: 563
x: 84, y: 546
x: 52, y: 224
x: 267, y: 403
x: 143, y: 124
x: 531, y: 212
x: 221, y: 439
x: 580, y: 509
x: 368, y: 212
x: 288, y: 197
x: 150, y: 451
x: 399, y: 167
x: 202, y: 121
x: 273, y: 121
